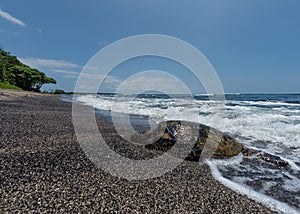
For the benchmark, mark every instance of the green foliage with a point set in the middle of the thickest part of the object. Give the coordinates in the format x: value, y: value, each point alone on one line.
x: 8, y: 86
x: 59, y: 91
x: 14, y: 72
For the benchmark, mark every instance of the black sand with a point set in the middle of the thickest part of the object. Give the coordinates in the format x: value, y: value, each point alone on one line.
x: 43, y: 169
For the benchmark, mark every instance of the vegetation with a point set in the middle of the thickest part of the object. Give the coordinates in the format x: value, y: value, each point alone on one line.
x: 8, y: 86
x: 14, y: 73
x: 56, y: 91
x: 59, y: 91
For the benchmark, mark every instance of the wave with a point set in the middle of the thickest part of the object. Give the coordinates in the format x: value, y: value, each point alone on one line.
x: 245, y: 190
x: 255, y: 120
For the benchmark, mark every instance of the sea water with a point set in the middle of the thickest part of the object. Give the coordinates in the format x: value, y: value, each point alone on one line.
x: 268, y: 122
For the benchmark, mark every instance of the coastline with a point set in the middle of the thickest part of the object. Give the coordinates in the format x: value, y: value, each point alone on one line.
x: 43, y: 168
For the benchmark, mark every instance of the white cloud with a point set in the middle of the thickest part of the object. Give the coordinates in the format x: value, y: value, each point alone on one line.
x: 10, y: 18
x: 69, y: 70
x: 93, y: 80
x: 142, y: 82
x: 111, y: 82
x: 69, y: 76
x: 47, y: 63
x: 62, y: 67
x: 39, y: 30
x: 66, y: 72
x: 103, y: 43
x: 153, y: 80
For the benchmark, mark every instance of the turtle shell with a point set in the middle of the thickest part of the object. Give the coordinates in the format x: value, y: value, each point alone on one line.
x: 190, y: 140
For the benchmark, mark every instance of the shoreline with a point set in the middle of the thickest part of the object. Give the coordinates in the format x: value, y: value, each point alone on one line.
x: 43, y: 168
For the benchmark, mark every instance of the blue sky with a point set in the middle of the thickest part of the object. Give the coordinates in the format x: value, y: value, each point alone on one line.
x: 254, y: 45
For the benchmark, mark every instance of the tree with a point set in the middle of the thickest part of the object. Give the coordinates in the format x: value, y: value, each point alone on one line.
x: 16, y: 73
x: 2, y: 72
x: 42, y: 79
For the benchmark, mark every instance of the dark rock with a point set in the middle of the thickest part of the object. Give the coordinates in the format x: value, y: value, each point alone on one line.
x: 266, y: 157
x: 191, y: 140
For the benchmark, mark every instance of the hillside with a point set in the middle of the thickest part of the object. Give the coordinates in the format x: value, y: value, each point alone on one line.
x: 14, y: 74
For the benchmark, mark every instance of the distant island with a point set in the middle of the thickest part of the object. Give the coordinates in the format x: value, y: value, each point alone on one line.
x: 16, y: 75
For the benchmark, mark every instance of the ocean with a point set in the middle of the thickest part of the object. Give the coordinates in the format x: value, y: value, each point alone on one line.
x: 268, y: 122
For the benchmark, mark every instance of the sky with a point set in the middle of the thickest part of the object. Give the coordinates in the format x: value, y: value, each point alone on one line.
x: 254, y: 46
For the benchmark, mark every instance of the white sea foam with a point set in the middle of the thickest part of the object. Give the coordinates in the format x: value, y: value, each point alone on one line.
x: 279, y: 125
x: 244, y: 190
x: 292, y: 184
x: 271, y: 126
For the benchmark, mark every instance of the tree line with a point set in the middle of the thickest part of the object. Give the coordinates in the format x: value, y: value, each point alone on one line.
x: 15, y: 73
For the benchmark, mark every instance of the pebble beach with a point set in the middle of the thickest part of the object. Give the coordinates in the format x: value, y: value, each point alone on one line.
x: 44, y: 169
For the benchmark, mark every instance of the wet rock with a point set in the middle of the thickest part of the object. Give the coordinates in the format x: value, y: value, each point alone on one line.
x: 266, y: 157
x: 191, y: 141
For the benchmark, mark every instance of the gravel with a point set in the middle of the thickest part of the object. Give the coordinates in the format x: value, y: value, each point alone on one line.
x: 43, y: 169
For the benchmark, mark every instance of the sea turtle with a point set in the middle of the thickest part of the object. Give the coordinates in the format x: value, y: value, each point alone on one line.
x: 190, y: 140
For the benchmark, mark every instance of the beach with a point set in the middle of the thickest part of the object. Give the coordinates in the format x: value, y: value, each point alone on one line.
x: 44, y: 169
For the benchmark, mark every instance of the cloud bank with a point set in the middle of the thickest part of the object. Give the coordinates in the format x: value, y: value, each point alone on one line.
x: 68, y: 69
x: 50, y: 63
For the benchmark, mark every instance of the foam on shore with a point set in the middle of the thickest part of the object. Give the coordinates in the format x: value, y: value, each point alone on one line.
x: 244, y: 190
